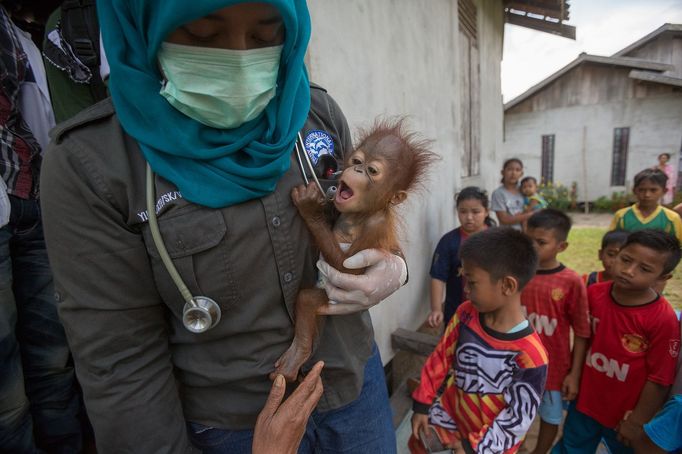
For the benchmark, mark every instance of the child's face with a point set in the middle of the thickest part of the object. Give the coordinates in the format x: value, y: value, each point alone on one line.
x: 608, y: 256
x: 546, y: 243
x: 512, y: 173
x: 662, y: 159
x: 485, y: 294
x: 471, y: 214
x: 638, y: 267
x: 648, y: 193
x: 528, y: 188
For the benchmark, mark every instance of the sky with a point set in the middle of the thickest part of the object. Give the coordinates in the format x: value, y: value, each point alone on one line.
x: 603, y: 28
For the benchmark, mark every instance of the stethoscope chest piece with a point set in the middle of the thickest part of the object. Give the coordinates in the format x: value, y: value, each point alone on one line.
x: 200, y: 314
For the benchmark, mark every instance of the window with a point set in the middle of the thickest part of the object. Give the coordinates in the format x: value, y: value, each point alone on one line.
x: 469, y: 83
x: 621, y: 136
x: 547, y: 165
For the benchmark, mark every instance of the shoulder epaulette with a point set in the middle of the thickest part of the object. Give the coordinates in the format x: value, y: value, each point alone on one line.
x: 98, y: 111
x: 317, y: 87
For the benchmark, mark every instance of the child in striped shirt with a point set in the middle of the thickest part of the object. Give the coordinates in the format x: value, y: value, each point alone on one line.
x: 481, y: 387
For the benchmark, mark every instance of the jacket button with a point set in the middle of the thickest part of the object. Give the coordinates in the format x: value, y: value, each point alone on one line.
x: 276, y: 221
x: 288, y: 277
x: 57, y: 297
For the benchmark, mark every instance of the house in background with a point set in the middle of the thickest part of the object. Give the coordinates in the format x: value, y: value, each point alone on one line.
x: 600, y: 120
x: 437, y: 62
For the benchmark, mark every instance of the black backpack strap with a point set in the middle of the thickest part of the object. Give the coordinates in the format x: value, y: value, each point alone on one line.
x: 80, y: 29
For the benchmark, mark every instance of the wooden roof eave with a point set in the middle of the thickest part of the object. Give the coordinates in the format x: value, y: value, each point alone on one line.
x: 557, y: 9
x: 650, y: 76
x: 543, y: 25
x: 651, y: 36
x: 586, y: 58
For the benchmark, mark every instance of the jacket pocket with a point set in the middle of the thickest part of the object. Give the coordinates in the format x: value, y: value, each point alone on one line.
x: 193, y: 238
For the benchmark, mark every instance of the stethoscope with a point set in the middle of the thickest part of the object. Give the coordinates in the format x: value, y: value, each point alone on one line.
x: 330, y: 193
x: 202, y: 313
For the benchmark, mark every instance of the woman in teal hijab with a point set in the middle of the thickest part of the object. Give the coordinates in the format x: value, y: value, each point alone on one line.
x: 212, y: 94
x: 212, y: 164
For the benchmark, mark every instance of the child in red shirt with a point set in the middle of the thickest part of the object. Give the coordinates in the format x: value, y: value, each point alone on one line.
x: 555, y: 301
x: 611, y: 243
x: 482, y: 385
x: 633, y: 351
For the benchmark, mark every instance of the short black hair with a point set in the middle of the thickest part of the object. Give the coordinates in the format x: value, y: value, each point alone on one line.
x: 475, y: 193
x: 659, y: 241
x: 667, y: 155
x: 472, y: 193
x: 656, y: 176
x: 614, y: 237
x: 529, y: 179
x: 501, y: 251
x: 551, y: 219
x: 510, y: 161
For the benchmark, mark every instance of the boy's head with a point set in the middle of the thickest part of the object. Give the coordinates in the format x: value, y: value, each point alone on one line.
x: 549, y: 230
x: 611, y: 243
x: 647, y: 258
x: 529, y: 186
x: 497, y: 263
x: 649, y: 187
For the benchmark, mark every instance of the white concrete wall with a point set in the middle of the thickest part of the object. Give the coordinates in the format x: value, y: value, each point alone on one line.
x: 399, y: 57
x: 654, y: 124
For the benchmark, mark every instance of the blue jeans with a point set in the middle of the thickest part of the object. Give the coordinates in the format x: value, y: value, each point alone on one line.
x: 39, y: 404
x: 362, y: 426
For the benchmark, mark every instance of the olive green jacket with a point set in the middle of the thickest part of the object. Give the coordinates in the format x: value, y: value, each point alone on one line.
x: 143, y: 374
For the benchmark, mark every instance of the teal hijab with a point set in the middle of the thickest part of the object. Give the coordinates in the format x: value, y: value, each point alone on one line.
x: 210, y: 167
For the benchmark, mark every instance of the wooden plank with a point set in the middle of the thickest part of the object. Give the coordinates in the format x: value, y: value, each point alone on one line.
x: 555, y: 28
x: 543, y: 8
x: 413, y: 342
x: 467, y: 19
x: 649, y: 76
x: 401, y: 403
x: 465, y: 93
x: 475, y: 112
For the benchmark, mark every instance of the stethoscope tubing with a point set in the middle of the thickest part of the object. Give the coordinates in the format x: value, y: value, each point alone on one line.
x: 190, y: 300
x: 158, y: 240
x: 300, y: 150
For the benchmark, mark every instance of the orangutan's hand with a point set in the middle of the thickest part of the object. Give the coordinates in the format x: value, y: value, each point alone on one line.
x: 310, y: 202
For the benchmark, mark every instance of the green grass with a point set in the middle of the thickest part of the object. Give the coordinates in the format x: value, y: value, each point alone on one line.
x: 581, y: 256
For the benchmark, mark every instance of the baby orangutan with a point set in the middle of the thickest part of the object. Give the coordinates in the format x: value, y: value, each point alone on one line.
x: 387, y: 164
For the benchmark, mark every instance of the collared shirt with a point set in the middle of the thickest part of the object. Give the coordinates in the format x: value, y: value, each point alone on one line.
x: 555, y: 302
x: 630, y: 345
x: 20, y: 157
x: 143, y: 374
x: 631, y: 219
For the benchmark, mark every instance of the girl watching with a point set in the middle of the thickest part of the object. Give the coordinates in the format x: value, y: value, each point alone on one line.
x: 446, y: 280
x: 507, y: 200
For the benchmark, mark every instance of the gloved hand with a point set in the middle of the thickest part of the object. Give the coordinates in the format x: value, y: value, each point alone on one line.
x: 349, y: 293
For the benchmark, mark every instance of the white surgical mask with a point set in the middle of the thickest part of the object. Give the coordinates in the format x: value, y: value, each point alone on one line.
x: 222, y: 88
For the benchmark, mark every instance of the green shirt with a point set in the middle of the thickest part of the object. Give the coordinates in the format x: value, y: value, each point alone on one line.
x: 631, y: 219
